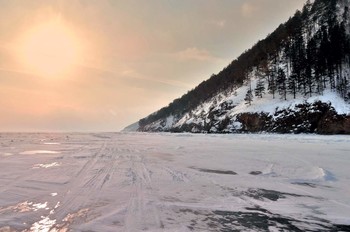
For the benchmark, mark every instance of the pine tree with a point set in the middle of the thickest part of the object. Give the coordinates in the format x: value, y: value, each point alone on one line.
x: 287, y: 56
x: 347, y: 88
x: 248, y: 97
x: 260, y: 88
x: 344, y: 56
x: 272, y: 84
x: 319, y: 65
x: 292, y: 85
x: 322, y: 56
x: 281, y: 83
x: 347, y: 39
x: 301, y: 63
x: 309, y: 66
x: 272, y: 80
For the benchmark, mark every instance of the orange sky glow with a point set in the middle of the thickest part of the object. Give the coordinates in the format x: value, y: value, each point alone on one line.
x: 101, y: 65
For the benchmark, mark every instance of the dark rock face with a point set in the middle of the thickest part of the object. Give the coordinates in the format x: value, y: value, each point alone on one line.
x: 254, y: 122
x: 334, y: 124
x: 318, y: 118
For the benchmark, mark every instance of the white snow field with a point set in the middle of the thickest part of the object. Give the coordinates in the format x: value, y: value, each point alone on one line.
x: 174, y: 182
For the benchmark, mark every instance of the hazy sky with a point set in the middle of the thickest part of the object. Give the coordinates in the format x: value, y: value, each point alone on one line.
x: 131, y: 57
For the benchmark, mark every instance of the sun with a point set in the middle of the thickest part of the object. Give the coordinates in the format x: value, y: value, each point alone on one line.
x: 50, y: 49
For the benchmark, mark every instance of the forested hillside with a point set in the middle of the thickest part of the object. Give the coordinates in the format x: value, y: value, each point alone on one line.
x: 307, y: 56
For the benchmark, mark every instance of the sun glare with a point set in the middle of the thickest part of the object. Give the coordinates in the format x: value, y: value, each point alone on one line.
x: 50, y: 49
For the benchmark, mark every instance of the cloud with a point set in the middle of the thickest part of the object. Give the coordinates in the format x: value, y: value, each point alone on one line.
x: 248, y: 9
x: 195, y: 54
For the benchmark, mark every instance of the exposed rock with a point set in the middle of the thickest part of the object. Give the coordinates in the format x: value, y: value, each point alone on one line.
x: 304, y: 118
x: 318, y: 118
x: 332, y: 123
x: 254, y: 122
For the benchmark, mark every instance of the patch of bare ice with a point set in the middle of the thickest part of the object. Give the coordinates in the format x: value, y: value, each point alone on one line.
x: 33, y: 152
x: 54, y: 164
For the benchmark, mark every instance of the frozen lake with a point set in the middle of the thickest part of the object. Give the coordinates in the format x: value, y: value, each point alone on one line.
x: 174, y: 182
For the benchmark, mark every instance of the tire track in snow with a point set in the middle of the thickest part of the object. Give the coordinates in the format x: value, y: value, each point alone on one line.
x: 103, y: 173
x: 142, y: 210
x: 176, y: 175
x: 82, y: 191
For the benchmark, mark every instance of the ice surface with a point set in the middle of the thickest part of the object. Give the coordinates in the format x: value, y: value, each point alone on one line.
x: 33, y: 152
x: 174, y: 182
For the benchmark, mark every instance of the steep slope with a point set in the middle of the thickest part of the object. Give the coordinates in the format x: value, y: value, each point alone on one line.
x: 296, y: 80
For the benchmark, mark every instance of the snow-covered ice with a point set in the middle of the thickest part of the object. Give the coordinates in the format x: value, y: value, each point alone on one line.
x: 174, y: 182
